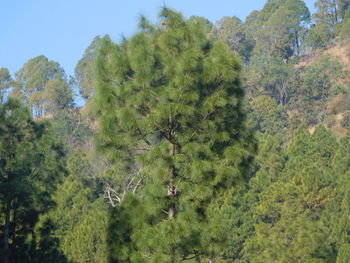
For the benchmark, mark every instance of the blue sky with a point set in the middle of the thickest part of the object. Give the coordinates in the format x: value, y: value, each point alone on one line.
x: 62, y: 29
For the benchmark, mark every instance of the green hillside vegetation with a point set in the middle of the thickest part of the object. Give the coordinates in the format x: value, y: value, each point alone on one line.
x: 197, y: 141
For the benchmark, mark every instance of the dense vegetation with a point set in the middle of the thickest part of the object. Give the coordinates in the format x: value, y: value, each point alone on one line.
x: 197, y: 142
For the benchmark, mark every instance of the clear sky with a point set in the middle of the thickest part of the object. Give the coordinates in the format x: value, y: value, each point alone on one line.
x: 62, y: 29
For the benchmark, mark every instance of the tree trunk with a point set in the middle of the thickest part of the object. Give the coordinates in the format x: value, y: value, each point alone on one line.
x: 335, y: 12
x: 171, y: 193
x: 7, y: 232
x: 297, y: 43
x: 13, y: 229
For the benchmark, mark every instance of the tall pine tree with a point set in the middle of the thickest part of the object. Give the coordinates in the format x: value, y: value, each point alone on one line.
x: 170, y: 118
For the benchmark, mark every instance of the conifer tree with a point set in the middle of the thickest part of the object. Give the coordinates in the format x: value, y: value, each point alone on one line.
x: 291, y: 225
x: 31, y: 165
x: 170, y: 118
x: 80, y: 215
x: 327, y: 12
x: 85, y: 70
x: 279, y: 28
x: 231, y: 31
x: 43, y: 85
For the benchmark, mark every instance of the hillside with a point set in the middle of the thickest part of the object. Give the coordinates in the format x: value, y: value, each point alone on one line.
x: 337, y: 107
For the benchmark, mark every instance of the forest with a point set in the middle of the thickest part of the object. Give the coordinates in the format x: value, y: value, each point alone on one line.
x: 198, y: 141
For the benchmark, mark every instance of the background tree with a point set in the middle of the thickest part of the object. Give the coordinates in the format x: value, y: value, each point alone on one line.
x: 329, y: 17
x: 291, y: 223
x: 343, y: 7
x: 31, y: 165
x: 85, y: 69
x: 231, y: 31
x: 327, y: 12
x: 343, y: 29
x: 316, y: 83
x: 80, y: 216
x: 267, y: 116
x: 319, y: 36
x: 268, y: 75
x: 5, y: 83
x: 281, y: 25
x: 44, y: 86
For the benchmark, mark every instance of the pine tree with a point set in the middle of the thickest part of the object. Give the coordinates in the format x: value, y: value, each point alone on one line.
x: 170, y: 118
x: 43, y: 85
x: 279, y: 28
x: 31, y: 165
x: 291, y: 217
x: 80, y: 216
x: 85, y: 69
x: 327, y: 12
x: 231, y: 31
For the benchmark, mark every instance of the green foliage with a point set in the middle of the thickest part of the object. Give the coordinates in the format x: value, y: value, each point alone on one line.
x: 341, y: 162
x: 343, y: 28
x: 47, y: 245
x: 69, y: 127
x: 289, y: 214
x: 319, y: 36
x: 344, y: 254
x: 343, y: 8
x: 87, y: 241
x: 31, y: 165
x: 280, y: 28
x: 267, y: 116
x: 205, y: 23
x: 331, y: 20
x: 316, y: 83
x: 271, y: 76
x: 85, y: 69
x: 80, y: 216
x: 327, y: 12
x: 173, y: 179
x: 169, y: 108
x: 43, y: 85
x: 231, y: 31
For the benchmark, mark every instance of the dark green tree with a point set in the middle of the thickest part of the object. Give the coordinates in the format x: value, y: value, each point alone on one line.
x: 31, y: 165
x: 170, y: 118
